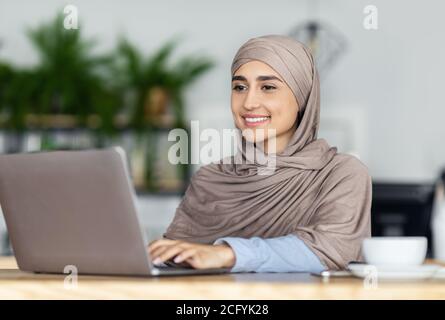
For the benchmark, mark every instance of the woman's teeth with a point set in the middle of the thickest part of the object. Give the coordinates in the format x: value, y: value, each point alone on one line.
x: 257, y: 119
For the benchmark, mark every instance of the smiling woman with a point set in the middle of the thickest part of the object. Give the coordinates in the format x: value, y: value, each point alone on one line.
x: 262, y: 100
x: 313, y: 211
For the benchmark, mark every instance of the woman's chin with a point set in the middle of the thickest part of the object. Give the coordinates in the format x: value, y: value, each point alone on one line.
x: 253, y: 138
x: 256, y: 135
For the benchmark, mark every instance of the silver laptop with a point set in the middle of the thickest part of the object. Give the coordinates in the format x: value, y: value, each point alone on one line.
x: 76, y: 208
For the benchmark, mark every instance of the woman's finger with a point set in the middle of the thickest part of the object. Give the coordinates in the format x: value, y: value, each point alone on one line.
x: 159, y: 250
x: 168, y: 254
x: 185, y: 255
x: 195, y: 261
x: 160, y: 242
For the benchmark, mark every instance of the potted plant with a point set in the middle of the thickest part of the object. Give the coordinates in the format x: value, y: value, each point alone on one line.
x: 155, y: 84
x: 72, y: 80
x: 157, y: 88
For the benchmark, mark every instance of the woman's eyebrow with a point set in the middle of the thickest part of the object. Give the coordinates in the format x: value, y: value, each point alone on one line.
x: 259, y: 78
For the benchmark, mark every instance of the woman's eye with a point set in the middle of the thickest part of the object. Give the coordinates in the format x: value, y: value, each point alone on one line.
x: 238, y: 88
x: 268, y: 87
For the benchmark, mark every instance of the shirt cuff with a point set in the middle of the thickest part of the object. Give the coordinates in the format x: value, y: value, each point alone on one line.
x: 280, y: 254
x: 246, y: 256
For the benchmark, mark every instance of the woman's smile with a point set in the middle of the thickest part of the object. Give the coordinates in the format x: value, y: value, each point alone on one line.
x: 253, y: 120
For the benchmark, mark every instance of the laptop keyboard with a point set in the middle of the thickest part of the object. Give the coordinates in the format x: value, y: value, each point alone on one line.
x: 170, y: 264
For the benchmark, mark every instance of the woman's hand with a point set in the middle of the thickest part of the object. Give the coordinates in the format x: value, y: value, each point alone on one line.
x: 199, y: 256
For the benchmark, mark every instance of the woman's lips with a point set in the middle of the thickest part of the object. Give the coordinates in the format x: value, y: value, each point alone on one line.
x: 253, y: 121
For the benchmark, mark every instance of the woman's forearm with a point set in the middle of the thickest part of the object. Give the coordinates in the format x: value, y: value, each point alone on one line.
x: 281, y: 254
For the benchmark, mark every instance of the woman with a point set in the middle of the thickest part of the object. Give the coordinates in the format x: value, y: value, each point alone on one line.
x: 310, y: 214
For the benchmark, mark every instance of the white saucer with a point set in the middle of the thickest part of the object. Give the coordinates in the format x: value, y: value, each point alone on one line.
x: 421, y: 272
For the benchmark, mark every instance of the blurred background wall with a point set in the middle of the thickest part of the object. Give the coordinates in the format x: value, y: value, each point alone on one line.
x: 388, y: 80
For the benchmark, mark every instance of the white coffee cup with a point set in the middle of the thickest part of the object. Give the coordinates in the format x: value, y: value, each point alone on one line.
x: 395, y: 251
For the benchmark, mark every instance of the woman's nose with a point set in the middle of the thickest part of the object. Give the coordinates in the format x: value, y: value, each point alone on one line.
x: 252, y: 101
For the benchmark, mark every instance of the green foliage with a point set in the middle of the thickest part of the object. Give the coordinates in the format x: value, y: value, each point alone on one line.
x: 74, y: 80
x: 68, y: 79
x: 142, y: 73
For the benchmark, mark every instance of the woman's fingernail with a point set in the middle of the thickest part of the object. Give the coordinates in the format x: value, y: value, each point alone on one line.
x: 177, y: 259
x: 157, y: 261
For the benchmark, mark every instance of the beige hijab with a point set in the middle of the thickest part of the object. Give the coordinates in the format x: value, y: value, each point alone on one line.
x: 321, y: 196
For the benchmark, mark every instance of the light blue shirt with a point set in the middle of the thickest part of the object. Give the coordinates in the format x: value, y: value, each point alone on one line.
x: 281, y: 254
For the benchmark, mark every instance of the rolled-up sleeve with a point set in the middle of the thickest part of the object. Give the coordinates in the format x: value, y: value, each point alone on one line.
x: 280, y: 254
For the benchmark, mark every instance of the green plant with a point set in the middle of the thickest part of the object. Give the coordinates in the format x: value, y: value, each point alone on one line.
x: 19, y: 89
x: 6, y: 75
x: 68, y: 79
x: 144, y: 73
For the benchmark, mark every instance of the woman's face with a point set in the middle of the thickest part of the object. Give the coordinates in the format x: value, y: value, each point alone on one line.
x: 262, y: 100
